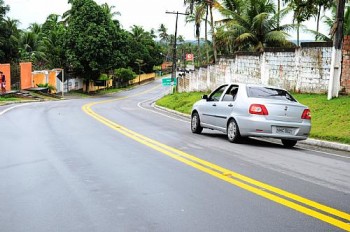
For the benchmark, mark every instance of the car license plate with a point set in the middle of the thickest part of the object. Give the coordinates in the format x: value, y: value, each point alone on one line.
x: 284, y: 130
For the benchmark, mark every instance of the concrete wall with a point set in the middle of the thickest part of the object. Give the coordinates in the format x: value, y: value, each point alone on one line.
x: 345, y: 78
x: 50, y: 77
x: 305, y: 69
x: 93, y: 88
x: 6, y: 69
x: 26, y: 75
x: 142, y: 78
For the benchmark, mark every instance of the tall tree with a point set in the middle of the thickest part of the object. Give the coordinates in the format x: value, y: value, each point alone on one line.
x: 199, y: 15
x: 4, y: 32
x: 163, y: 33
x: 254, y: 27
x: 141, y: 46
x: 303, y: 10
x: 325, y: 4
x: 210, y: 4
x: 91, y: 41
x: 10, y: 35
x: 54, y: 31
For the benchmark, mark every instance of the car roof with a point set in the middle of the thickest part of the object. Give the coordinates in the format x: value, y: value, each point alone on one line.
x: 254, y: 85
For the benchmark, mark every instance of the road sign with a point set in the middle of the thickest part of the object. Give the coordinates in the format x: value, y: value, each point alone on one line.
x: 167, y: 82
x: 189, y: 57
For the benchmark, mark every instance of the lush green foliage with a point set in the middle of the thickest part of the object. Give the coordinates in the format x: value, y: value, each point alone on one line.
x: 330, y: 119
x: 8, y: 36
x: 251, y: 26
x: 85, y: 41
x: 141, y: 46
x: 92, y: 41
x: 124, y: 75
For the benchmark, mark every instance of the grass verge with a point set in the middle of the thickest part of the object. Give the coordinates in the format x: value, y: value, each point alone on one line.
x: 330, y: 119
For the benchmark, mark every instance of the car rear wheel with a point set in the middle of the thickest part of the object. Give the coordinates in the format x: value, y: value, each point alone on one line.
x: 233, y: 134
x: 195, y: 124
x: 289, y: 143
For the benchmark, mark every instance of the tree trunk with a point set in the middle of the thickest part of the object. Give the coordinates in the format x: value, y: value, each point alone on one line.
x: 318, y: 21
x: 87, y: 82
x: 213, y: 32
x: 199, y: 50
x: 298, y: 33
x: 278, y: 12
x: 206, y: 36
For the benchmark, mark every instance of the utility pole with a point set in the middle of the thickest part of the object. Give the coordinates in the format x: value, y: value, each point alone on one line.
x: 173, y: 73
x: 337, y: 31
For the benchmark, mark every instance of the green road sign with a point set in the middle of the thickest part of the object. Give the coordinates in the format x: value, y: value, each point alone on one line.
x: 166, y: 81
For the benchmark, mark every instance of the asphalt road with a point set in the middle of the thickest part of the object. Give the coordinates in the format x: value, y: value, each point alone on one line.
x: 117, y: 164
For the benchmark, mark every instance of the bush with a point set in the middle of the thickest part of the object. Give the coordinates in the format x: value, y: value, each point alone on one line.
x: 124, y: 75
x: 49, y: 87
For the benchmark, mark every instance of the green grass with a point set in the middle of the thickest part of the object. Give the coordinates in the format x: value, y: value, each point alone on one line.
x: 8, y: 99
x: 330, y: 119
x: 181, y: 102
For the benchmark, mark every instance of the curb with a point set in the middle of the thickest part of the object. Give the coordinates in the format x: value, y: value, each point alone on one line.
x: 326, y: 144
x: 309, y: 141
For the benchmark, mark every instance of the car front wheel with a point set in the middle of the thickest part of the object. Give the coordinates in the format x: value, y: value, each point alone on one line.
x: 289, y: 143
x: 195, y: 124
x: 233, y: 134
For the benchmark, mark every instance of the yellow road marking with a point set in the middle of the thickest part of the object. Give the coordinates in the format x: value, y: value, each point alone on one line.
x: 341, y: 219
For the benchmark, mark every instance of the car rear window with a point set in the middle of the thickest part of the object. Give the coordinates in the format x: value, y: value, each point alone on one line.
x: 270, y: 93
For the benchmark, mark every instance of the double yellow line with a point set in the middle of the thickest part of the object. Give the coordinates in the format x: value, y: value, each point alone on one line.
x: 314, y: 209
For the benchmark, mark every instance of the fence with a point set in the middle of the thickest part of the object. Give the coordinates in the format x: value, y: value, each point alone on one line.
x: 142, y: 78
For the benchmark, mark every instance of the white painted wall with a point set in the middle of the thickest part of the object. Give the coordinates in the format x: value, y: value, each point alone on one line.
x: 307, y: 69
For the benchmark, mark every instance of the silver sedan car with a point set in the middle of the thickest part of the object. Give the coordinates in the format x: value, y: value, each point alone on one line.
x: 247, y: 110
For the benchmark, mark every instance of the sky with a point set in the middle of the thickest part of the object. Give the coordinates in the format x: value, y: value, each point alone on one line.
x: 146, y: 13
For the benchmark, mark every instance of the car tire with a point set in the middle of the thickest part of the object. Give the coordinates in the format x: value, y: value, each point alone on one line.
x: 195, y: 124
x: 233, y: 134
x: 289, y: 143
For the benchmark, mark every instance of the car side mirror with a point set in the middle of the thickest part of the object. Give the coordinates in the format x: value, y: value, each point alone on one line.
x: 205, y: 97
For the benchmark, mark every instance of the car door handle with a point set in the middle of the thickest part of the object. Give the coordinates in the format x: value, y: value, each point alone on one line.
x: 230, y: 105
x: 214, y: 104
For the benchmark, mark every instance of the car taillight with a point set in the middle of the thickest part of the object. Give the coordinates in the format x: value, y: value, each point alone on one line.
x: 306, y: 114
x: 258, y: 109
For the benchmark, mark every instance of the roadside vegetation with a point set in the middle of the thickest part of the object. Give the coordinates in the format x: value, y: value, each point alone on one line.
x: 6, y: 99
x: 330, y: 119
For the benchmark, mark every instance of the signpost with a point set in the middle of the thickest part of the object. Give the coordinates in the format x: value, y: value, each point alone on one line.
x: 166, y: 81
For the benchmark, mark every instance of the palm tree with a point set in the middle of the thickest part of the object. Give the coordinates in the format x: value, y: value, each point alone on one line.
x: 3, y: 9
x: 11, y: 25
x: 200, y: 14
x: 325, y: 4
x: 254, y: 28
x: 163, y: 33
x: 109, y: 11
x: 32, y: 48
x: 139, y: 34
x: 329, y: 21
x: 302, y: 11
x: 209, y: 5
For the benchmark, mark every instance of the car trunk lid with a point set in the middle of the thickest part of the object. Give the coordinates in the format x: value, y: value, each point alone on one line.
x: 284, y: 111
